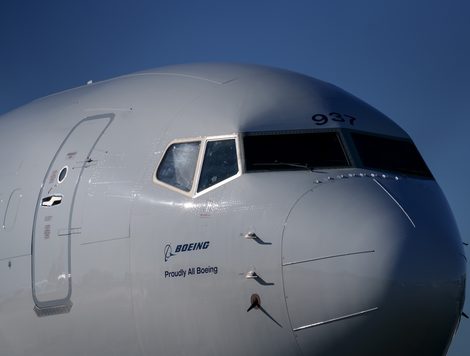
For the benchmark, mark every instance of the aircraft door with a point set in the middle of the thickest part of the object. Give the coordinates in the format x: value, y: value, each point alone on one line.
x: 52, y: 229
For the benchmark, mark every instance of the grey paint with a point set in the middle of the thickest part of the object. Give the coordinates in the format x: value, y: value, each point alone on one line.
x: 348, y: 262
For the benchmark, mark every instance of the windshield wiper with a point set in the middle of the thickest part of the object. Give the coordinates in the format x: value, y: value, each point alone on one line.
x: 288, y: 164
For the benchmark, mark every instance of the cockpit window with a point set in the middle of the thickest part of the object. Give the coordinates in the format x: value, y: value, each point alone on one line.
x: 277, y: 152
x: 179, y: 165
x: 220, y: 163
x: 195, y: 166
x: 390, y: 154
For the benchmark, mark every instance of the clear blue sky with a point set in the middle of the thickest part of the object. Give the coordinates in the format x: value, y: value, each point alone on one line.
x: 410, y: 59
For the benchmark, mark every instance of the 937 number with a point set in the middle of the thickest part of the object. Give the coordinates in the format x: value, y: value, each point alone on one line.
x: 322, y: 119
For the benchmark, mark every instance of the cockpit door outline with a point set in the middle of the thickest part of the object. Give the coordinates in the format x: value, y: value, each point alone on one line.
x: 51, y: 276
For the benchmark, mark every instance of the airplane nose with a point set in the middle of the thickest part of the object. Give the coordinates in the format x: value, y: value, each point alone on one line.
x: 373, y: 266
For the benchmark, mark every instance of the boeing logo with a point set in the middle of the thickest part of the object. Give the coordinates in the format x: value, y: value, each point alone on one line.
x: 194, y: 246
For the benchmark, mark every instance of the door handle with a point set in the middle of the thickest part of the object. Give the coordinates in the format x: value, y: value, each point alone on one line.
x: 51, y: 200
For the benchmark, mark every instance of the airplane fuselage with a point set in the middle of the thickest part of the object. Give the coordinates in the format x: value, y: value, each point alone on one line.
x: 163, y: 213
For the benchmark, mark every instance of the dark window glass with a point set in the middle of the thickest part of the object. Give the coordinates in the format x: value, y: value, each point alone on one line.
x: 294, y: 151
x: 179, y: 164
x: 390, y: 154
x: 220, y: 163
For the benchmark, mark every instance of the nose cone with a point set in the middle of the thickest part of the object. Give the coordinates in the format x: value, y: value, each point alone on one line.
x: 373, y: 267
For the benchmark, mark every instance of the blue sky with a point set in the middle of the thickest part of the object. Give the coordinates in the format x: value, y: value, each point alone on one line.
x: 409, y: 59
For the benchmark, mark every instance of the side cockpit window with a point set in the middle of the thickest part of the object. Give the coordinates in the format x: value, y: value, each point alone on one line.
x: 220, y: 163
x: 179, y: 165
x: 195, y: 166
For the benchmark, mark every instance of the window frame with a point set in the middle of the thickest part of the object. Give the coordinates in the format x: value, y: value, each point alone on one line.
x: 203, y: 140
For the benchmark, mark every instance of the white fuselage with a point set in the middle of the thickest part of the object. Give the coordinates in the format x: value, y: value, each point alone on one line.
x: 104, y: 252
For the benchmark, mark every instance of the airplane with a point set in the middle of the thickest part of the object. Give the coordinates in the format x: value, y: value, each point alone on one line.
x: 221, y: 209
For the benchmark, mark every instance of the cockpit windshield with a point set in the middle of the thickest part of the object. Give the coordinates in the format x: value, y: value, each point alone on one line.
x: 390, y: 154
x: 195, y: 166
x: 287, y: 151
x: 331, y: 149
